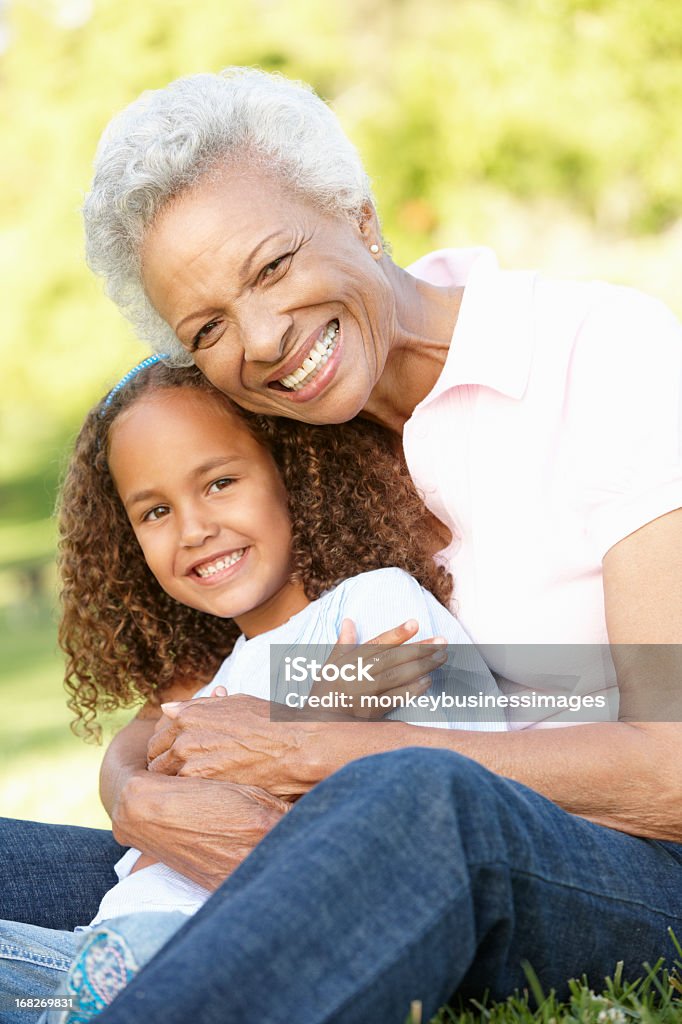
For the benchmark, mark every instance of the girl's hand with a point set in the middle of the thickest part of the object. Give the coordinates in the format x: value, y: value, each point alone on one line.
x: 397, y: 671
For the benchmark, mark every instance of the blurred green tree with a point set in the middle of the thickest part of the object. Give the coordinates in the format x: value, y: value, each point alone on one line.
x: 472, y: 116
x: 549, y: 129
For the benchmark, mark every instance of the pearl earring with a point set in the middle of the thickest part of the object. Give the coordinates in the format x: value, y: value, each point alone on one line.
x: 374, y: 247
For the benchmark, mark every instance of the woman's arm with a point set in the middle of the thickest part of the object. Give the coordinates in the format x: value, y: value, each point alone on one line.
x: 619, y: 774
x: 622, y: 774
x: 201, y: 827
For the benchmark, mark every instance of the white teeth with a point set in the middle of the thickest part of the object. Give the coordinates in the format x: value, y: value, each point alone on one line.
x: 220, y: 563
x: 314, y: 361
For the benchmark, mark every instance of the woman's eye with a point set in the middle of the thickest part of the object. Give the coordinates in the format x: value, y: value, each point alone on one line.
x: 221, y: 484
x: 271, y: 269
x: 158, y: 512
x: 203, y: 335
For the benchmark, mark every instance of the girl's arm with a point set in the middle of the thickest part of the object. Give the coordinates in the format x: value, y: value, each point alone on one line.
x: 124, y: 758
x: 622, y: 774
x: 203, y: 829
x: 126, y: 755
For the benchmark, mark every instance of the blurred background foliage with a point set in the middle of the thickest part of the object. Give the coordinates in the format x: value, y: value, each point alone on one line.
x: 549, y: 129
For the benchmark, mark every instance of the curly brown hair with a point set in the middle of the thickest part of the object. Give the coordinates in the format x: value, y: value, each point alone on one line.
x: 353, y: 508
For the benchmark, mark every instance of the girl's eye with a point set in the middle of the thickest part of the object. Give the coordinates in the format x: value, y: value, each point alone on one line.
x: 202, y: 339
x: 221, y: 484
x: 156, y: 513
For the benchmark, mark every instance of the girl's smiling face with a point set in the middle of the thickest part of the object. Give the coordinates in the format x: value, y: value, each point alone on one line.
x: 283, y: 306
x: 207, y: 506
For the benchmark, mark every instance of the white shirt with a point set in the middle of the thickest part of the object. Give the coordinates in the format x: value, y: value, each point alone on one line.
x: 375, y: 601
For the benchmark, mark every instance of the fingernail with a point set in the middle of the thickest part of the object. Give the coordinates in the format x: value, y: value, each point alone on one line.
x: 171, y: 704
x: 411, y: 624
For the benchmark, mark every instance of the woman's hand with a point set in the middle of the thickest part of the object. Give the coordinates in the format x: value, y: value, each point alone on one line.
x: 200, y: 827
x: 203, y: 829
x: 235, y: 738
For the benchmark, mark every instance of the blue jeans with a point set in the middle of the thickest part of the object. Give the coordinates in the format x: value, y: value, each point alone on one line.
x: 90, y: 967
x: 54, y: 875
x: 411, y: 875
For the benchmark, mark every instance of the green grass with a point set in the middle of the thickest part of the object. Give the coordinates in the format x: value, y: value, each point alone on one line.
x: 47, y: 773
x: 653, y: 998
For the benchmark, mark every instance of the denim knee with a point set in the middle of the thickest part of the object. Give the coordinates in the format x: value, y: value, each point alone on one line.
x: 449, y: 795
x: 420, y: 767
x: 108, y: 958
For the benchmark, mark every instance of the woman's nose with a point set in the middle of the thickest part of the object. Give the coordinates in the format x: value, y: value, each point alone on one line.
x: 264, y: 334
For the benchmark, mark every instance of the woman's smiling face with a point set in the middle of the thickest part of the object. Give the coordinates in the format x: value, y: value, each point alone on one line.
x: 283, y: 307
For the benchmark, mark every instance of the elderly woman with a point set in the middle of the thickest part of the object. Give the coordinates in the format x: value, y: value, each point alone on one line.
x: 233, y: 223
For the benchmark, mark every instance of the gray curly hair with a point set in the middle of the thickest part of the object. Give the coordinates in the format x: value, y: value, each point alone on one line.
x: 169, y: 139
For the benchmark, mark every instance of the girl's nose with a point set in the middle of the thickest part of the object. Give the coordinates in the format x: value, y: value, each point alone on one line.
x: 196, y: 529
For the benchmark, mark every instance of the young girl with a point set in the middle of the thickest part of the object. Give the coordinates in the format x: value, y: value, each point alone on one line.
x: 194, y: 537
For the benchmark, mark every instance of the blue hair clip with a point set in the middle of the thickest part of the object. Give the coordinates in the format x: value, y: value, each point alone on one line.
x: 149, y: 361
